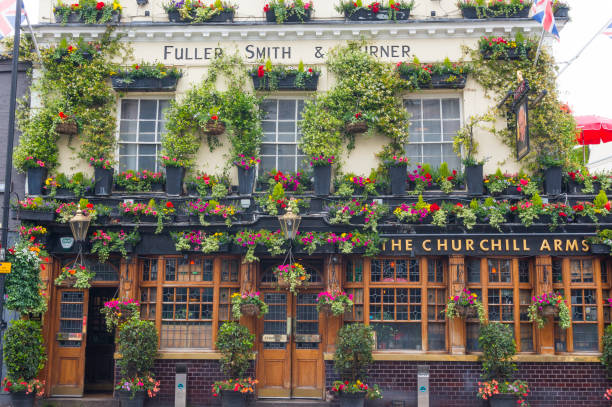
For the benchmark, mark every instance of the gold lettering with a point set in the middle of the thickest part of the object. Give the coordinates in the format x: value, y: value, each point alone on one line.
x: 408, y: 244
x: 507, y: 245
x: 496, y: 244
x: 469, y: 244
x: 384, y: 246
x: 585, y: 246
x: 571, y: 245
x: 514, y: 246
x: 459, y: 244
x: 558, y: 243
x: 545, y: 246
x: 442, y: 244
x: 525, y: 247
x: 482, y: 245
x: 396, y: 244
x: 426, y: 245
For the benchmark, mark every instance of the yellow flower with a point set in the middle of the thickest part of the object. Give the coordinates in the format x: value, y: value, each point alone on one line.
x: 48, y: 181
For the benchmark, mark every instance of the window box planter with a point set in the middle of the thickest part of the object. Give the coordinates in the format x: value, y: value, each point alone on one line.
x: 40, y: 216
x: 167, y: 84
x: 76, y: 18
x: 36, y: 179
x: 352, y: 399
x: 562, y: 12
x: 230, y: 398
x: 600, y: 249
x: 287, y: 83
x: 21, y: 399
x: 447, y: 81
x: 291, y: 17
x: 512, y: 190
x: 503, y: 400
x: 127, y: 401
x: 322, y: 179
x: 363, y: 14
x: 511, y: 54
x: 473, y: 14
x: 224, y: 17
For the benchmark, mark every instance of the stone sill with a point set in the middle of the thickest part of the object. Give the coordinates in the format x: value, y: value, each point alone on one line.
x: 444, y: 357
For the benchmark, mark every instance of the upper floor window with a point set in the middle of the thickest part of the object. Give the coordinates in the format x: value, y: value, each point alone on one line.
x: 279, y: 149
x: 433, y: 125
x: 141, y: 126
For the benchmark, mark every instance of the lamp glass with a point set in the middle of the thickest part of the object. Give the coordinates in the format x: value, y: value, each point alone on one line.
x: 289, y: 223
x: 79, y: 224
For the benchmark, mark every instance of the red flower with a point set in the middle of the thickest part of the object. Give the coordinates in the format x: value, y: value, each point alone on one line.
x: 266, y: 8
x: 562, y: 214
x: 261, y: 70
x: 89, y: 206
x: 513, y: 208
x: 357, y: 115
x: 434, y: 207
x: 214, y: 117
x: 578, y: 208
x: 459, y: 205
x: 62, y: 116
x: 100, y: 5
x: 169, y: 205
x: 608, y: 206
x: 519, y: 189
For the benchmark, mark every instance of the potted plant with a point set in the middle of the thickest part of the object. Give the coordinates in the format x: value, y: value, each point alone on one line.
x: 33, y: 233
x: 103, y: 243
x: 498, y: 348
x: 420, y: 179
x: 36, y: 174
x: 374, y: 11
x: 118, y: 312
x: 277, y: 77
x: 23, y: 283
x: 502, y: 48
x: 560, y: 9
x: 103, y: 175
x: 214, y: 126
x: 529, y: 210
x: 246, y: 173
x: 203, y: 184
x: 192, y: 11
x: 248, y: 304
x: 146, y: 77
x: 175, y: 173
x: 356, y: 123
x: 398, y: 174
x: 36, y: 209
x: 235, y: 343
x: 602, y: 242
x: 137, y: 345
x: 465, y: 305
x: 322, y: 167
x: 61, y: 185
x: 88, y: 12
x: 465, y: 145
x: 291, y: 276
x: 76, y: 276
x: 579, y: 181
x: 473, y: 9
x: 24, y: 355
x: 334, y: 303
x: 248, y: 241
x: 352, y: 359
x: 294, y: 11
x: 548, y: 305
x: 552, y: 174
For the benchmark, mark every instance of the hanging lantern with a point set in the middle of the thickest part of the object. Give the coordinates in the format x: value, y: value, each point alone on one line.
x: 289, y: 223
x: 79, y: 224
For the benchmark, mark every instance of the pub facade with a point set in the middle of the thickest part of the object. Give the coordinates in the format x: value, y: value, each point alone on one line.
x: 400, y: 289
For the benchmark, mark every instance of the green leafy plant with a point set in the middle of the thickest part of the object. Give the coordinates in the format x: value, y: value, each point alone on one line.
x: 337, y: 301
x: 270, y: 75
x: 235, y: 343
x: 25, y: 357
x: 353, y: 355
x: 104, y: 243
x: 460, y: 306
x: 284, y: 10
x: 146, y: 70
x: 23, y: 284
x: 606, y: 352
x: 549, y: 300
x: 76, y: 276
x: 137, y: 344
x: 118, y: 312
x: 193, y: 11
x: 498, y: 348
x: 293, y: 275
x: 464, y: 144
x: 249, y: 240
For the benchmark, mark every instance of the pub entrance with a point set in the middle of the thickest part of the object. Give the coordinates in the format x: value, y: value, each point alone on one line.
x: 290, y: 364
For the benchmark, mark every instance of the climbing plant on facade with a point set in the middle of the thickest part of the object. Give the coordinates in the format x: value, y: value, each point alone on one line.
x: 366, y: 96
x: 495, y: 64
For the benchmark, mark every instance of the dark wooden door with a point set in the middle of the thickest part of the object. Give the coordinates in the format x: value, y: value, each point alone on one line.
x: 100, y: 343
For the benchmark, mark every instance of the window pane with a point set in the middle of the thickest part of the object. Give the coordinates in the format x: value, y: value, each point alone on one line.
x: 431, y: 108
x: 414, y: 108
x: 286, y: 109
x: 148, y: 109
x: 472, y: 333
x: 129, y: 109
x: 450, y: 109
x: 473, y: 271
x: 585, y: 337
x: 436, y: 336
x: 398, y: 335
x: 526, y: 338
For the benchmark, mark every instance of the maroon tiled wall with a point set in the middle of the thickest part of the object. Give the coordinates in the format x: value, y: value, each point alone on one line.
x: 454, y: 384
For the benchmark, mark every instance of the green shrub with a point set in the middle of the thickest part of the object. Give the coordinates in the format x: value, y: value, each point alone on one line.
x: 606, y: 353
x: 24, y: 351
x: 235, y: 343
x: 354, y: 351
x: 498, y: 347
x: 138, y: 347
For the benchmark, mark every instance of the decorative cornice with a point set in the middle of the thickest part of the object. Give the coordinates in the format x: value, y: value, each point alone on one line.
x: 319, y: 30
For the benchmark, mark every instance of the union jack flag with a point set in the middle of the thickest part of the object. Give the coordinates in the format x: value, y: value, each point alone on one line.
x: 542, y: 11
x: 608, y: 31
x: 7, y: 17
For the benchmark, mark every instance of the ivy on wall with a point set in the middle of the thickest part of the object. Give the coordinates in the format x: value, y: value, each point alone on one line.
x: 552, y: 129
x: 365, y: 89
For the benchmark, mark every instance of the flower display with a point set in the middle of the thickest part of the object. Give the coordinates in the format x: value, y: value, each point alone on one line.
x: 322, y: 160
x: 194, y: 11
x: 91, y: 12
x: 293, y: 275
x: 34, y: 386
x: 103, y: 243
x: 133, y: 181
x: 519, y: 388
x: 198, y: 240
x: 246, y: 162
x: 343, y: 212
x: 76, y: 276
x: 135, y: 384
x: 283, y: 10
x: 500, y: 47
x: 465, y: 305
x: 37, y: 204
x: 337, y: 301
x: 244, y: 303
x: 372, y: 392
x: 553, y: 303
x: 416, y: 212
x: 249, y: 240
x: 101, y: 163
x: 238, y: 385
x: 31, y: 232
x: 421, y: 178
x: 117, y: 312
x: 271, y: 75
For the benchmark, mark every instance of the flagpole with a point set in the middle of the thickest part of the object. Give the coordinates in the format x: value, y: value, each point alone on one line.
x: 535, y: 62
x: 568, y: 63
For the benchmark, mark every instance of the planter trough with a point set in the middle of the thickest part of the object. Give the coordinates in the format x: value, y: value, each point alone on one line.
x: 286, y: 83
x: 167, y: 84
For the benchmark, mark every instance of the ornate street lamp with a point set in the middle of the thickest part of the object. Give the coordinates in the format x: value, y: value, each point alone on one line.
x: 289, y: 223
x: 79, y: 224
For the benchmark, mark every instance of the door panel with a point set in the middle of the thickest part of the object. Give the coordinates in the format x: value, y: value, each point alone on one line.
x: 275, y: 363
x: 99, y: 363
x: 69, y: 341
x: 307, y: 359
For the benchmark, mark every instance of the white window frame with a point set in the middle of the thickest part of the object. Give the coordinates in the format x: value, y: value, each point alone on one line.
x: 156, y: 97
x: 285, y: 97
x: 439, y: 96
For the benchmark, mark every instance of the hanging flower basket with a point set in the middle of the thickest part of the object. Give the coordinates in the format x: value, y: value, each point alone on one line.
x: 466, y: 311
x: 68, y: 282
x: 282, y: 284
x: 215, y: 127
x: 68, y: 128
x: 546, y: 306
x: 291, y: 276
x: 326, y: 309
x: 249, y: 310
x: 357, y: 127
x: 248, y: 304
x: 549, y: 311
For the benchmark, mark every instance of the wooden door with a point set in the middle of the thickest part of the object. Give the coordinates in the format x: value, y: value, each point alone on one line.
x: 307, y: 357
x: 68, y: 365
x: 274, y: 363
x: 99, y: 363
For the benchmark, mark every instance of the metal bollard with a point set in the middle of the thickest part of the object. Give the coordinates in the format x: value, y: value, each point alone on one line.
x: 180, y: 391
x: 423, y: 385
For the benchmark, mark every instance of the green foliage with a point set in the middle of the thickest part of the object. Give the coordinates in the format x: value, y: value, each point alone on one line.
x: 606, y: 353
x: 137, y: 345
x: 552, y: 129
x: 88, y: 11
x: 24, y: 350
x: 147, y: 70
x: 353, y: 354
x: 282, y: 11
x: 601, y: 199
x: 498, y: 348
x: 23, y: 283
x: 235, y: 343
x: 464, y: 144
x: 365, y: 87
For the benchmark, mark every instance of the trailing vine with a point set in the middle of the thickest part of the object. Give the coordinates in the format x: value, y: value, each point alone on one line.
x: 366, y: 90
x: 552, y: 129
x: 73, y: 87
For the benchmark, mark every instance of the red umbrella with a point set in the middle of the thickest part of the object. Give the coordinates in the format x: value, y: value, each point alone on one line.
x: 593, y: 129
